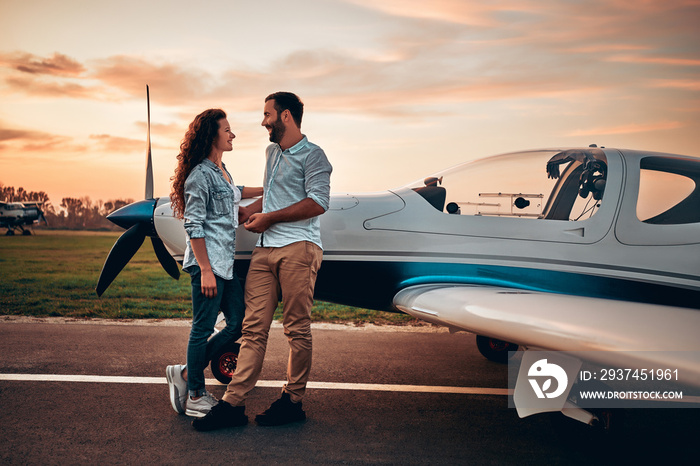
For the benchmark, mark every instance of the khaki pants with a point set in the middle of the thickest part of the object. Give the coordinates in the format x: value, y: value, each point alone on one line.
x: 292, y: 270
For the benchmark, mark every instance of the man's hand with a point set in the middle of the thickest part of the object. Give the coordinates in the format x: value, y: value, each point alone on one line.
x: 258, y: 223
x: 306, y: 208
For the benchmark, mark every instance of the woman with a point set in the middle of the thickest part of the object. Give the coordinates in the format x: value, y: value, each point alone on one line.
x: 204, y: 195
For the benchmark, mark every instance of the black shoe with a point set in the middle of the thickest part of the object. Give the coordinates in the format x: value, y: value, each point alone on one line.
x: 282, y: 411
x: 221, y: 415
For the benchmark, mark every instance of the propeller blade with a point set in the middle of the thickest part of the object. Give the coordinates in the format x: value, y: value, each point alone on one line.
x: 165, y: 259
x: 120, y: 255
x: 149, y: 163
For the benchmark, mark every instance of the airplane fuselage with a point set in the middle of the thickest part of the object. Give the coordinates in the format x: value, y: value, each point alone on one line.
x: 16, y: 215
x: 379, y: 243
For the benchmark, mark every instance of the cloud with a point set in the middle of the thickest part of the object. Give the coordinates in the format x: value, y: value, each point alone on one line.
x: 176, y: 83
x: 552, y: 24
x: 55, y: 65
x: 670, y: 61
x: 628, y: 129
x: 432, y: 56
x: 22, y: 142
x: 24, y: 137
x: 482, y: 14
x: 116, y: 144
x: 14, y: 134
x: 48, y: 87
x: 682, y: 84
x: 56, y: 76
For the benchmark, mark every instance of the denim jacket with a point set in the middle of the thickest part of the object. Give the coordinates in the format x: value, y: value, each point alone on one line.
x: 211, y: 212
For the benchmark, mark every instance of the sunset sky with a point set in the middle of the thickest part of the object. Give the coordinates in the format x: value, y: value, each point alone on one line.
x: 394, y: 89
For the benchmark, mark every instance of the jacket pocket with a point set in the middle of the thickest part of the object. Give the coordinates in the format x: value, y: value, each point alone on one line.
x: 222, y: 202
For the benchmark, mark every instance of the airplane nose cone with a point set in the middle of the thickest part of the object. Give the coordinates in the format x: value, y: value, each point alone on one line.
x: 140, y: 212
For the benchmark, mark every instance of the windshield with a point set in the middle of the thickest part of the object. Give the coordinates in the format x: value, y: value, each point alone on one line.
x: 545, y: 184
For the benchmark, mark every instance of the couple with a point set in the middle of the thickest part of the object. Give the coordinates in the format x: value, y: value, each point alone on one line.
x: 287, y: 258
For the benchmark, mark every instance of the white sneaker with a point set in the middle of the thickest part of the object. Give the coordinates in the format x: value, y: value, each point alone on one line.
x: 178, y: 387
x: 201, y: 406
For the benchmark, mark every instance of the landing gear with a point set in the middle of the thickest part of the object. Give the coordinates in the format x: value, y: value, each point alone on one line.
x: 11, y: 231
x: 494, y: 349
x: 223, y: 364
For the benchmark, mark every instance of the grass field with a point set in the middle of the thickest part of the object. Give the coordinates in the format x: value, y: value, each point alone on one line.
x: 54, y: 273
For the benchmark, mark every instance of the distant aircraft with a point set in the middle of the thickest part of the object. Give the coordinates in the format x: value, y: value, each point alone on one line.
x: 17, y: 215
x: 585, y: 249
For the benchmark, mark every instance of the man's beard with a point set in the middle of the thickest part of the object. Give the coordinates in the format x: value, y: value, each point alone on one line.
x: 277, y: 131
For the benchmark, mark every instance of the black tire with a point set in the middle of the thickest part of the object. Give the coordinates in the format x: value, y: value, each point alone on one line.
x: 494, y: 349
x: 223, y: 364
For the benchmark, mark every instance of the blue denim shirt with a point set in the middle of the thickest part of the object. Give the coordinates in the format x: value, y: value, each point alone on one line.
x: 291, y: 176
x: 211, y: 212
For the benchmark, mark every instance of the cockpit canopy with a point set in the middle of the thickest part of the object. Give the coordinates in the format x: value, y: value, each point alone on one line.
x: 544, y: 184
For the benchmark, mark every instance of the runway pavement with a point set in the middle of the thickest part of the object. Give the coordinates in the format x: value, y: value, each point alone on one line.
x: 87, y: 393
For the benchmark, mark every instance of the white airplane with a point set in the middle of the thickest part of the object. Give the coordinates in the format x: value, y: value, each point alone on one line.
x: 17, y: 215
x: 592, y: 250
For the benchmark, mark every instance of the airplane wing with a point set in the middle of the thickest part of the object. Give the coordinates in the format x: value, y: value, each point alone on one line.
x: 623, y: 333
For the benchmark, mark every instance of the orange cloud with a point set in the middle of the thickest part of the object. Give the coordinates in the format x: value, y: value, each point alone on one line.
x: 671, y: 61
x: 14, y: 134
x: 55, y: 65
x: 684, y: 84
x: 605, y: 48
x: 628, y: 129
x: 49, y: 87
x: 176, y: 83
x: 55, y: 76
x: 108, y: 143
x: 452, y: 11
x: 41, y: 144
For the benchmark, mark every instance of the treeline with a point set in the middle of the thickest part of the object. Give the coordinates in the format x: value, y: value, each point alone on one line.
x: 72, y: 213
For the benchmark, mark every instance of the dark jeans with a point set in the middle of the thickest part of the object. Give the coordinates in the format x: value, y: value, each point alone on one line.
x: 200, y: 348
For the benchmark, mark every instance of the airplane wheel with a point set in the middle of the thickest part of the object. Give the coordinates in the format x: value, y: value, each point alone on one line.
x: 494, y: 349
x: 223, y: 364
x: 10, y: 233
x: 26, y: 233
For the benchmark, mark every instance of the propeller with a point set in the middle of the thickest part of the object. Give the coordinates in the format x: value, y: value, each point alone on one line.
x: 42, y: 217
x: 40, y: 214
x: 137, y: 219
x: 149, y: 163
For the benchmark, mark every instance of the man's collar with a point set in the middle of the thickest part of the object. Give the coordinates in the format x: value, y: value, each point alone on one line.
x: 298, y: 146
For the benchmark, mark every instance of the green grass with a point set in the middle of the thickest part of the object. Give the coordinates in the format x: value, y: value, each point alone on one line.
x: 54, y: 273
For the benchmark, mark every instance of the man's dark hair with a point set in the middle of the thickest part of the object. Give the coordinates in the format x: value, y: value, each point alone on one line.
x: 288, y: 101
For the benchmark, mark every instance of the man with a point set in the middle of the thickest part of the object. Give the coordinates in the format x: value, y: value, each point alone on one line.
x: 287, y: 258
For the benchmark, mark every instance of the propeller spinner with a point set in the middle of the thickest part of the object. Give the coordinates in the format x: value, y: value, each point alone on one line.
x: 137, y: 219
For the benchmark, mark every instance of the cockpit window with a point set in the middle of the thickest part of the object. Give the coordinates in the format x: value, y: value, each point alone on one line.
x: 549, y: 184
x: 669, y: 191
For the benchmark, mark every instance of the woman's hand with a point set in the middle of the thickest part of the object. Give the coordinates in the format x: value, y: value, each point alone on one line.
x: 243, y: 215
x: 208, y: 284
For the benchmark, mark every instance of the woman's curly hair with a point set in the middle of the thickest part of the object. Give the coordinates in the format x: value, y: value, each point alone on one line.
x: 195, y: 147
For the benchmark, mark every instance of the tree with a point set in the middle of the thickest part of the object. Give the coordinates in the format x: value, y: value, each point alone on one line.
x: 73, y: 213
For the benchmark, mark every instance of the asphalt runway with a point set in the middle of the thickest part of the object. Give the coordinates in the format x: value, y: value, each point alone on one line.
x: 77, y: 393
